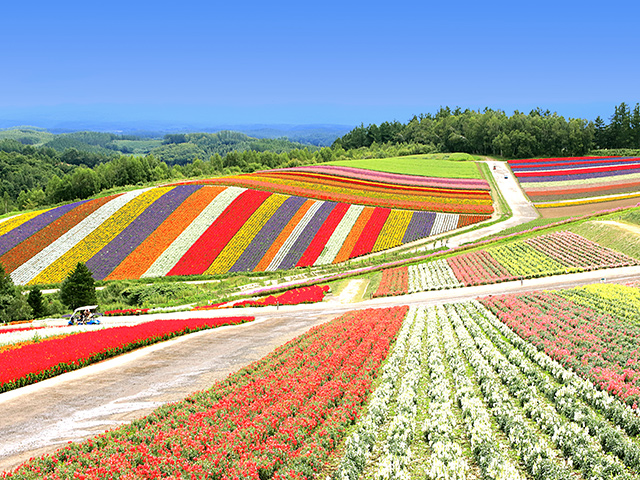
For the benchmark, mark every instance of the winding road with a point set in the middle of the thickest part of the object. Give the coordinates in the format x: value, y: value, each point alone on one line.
x: 39, y: 418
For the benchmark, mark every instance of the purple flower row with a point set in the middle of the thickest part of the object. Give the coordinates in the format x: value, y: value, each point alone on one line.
x: 298, y: 248
x: 112, y: 254
x: 534, y: 168
x: 578, y: 176
x: 419, y: 226
x: 267, y: 235
x: 19, y: 234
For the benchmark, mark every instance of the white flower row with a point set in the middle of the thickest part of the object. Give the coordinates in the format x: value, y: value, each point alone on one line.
x: 536, y: 454
x: 574, y: 440
x: 36, y: 264
x: 291, y: 239
x: 566, y: 390
x: 40, y: 333
x: 170, y: 257
x: 447, y: 461
x: 487, y: 450
x: 339, y: 235
x: 397, y: 453
x: 444, y: 222
x: 360, y: 443
x: 436, y: 275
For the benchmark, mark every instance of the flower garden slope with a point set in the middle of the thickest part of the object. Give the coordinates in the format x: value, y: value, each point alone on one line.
x: 211, y: 229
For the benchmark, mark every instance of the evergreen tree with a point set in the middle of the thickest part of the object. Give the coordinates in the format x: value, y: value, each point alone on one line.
x: 78, y: 289
x: 36, y: 302
x: 13, y: 305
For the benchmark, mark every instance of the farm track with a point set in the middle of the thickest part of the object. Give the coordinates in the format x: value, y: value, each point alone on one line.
x: 43, y: 417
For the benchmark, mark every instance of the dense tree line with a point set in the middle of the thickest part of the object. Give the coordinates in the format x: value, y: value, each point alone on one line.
x: 493, y: 132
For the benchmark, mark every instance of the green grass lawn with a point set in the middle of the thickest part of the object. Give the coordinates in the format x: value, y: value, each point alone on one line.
x: 423, y: 165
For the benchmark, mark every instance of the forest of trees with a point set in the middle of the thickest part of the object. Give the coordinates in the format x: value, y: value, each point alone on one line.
x: 33, y: 174
x: 493, y: 132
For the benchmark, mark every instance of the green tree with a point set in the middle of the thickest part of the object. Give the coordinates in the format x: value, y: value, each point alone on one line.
x: 78, y: 289
x: 35, y: 300
x: 13, y: 305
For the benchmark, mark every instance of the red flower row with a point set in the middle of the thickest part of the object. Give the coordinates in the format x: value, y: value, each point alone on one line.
x: 50, y: 357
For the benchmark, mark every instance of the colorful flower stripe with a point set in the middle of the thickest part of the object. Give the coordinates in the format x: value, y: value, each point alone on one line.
x: 18, y: 220
x: 92, y: 243
x: 466, y: 220
x: 322, y: 237
x: 267, y: 236
x: 576, y: 183
x: 276, y: 246
x: 421, y: 223
x: 43, y: 259
x: 393, y: 178
x: 393, y: 230
x: 388, y: 199
x: 240, y: 242
x: 179, y: 247
x: 394, y: 281
x: 344, y: 253
x: 49, y: 234
x: 585, y: 201
x: 444, y: 222
x: 534, y: 161
x: 365, y: 185
x: 209, y: 245
x: 112, y: 254
x: 551, y: 166
x: 301, y: 237
x: 478, y: 268
x: 581, y: 174
x: 339, y: 235
x: 19, y: 234
x: 141, y: 259
x: 371, y: 231
x: 50, y: 357
x: 295, y: 232
x: 600, y: 188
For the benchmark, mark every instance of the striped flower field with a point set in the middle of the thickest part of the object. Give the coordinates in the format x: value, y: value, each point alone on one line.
x: 205, y: 229
x: 551, y: 182
x: 366, y: 187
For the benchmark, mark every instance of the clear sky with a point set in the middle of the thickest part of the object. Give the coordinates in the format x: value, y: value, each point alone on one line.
x: 340, y: 62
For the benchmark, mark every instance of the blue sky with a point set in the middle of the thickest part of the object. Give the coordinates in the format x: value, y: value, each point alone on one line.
x: 314, y: 62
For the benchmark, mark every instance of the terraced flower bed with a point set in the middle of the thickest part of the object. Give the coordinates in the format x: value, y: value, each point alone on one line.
x: 195, y: 230
x: 552, y: 254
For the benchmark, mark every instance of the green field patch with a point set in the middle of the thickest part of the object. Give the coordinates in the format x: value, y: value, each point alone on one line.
x: 423, y: 165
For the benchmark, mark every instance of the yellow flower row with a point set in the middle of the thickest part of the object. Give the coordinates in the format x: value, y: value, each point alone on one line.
x: 570, y: 203
x: 393, y: 230
x: 15, y: 222
x: 101, y: 236
x: 241, y: 240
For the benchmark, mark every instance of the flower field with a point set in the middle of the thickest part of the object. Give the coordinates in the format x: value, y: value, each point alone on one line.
x: 537, y: 386
x: 195, y: 229
x: 295, y: 296
x: 367, y: 187
x: 550, y: 182
x: 551, y: 254
x: 281, y: 417
x: 49, y: 357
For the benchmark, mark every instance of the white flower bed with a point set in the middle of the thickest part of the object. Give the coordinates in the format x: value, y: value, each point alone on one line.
x: 436, y: 275
x: 358, y: 446
x: 444, y: 222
